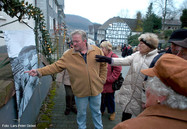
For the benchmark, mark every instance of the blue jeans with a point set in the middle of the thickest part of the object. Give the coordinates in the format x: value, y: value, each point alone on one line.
x: 94, y: 104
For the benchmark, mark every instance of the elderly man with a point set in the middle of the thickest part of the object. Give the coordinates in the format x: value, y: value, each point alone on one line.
x: 87, y: 76
x: 179, y: 48
x: 176, y: 36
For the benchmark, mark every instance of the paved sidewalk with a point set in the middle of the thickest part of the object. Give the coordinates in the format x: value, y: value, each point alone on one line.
x: 61, y: 121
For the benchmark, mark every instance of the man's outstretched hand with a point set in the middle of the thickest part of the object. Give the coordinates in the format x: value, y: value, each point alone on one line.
x: 100, y: 58
x: 32, y: 72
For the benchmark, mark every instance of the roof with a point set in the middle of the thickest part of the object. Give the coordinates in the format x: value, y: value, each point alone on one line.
x: 95, y: 26
x: 130, y: 22
x: 172, y: 22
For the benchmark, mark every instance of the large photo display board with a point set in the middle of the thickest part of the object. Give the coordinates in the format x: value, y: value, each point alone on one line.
x: 23, y: 55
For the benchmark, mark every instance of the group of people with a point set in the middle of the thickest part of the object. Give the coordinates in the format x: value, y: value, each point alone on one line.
x: 139, y: 91
x: 151, y: 103
x: 126, y: 50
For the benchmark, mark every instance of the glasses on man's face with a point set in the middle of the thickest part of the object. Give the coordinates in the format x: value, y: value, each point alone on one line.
x: 76, y: 41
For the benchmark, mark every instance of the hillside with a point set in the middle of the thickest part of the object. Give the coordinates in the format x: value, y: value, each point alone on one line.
x: 76, y: 22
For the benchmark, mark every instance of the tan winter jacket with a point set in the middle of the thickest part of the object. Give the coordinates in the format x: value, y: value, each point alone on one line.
x: 131, y: 91
x: 87, y: 79
x: 157, y: 117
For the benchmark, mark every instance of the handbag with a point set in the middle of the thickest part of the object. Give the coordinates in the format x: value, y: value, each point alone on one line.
x: 118, y: 83
x: 125, y: 116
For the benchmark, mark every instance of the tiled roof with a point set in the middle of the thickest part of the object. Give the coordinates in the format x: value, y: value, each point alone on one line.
x: 95, y: 26
x: 172, y: 22
x: 130, y: 22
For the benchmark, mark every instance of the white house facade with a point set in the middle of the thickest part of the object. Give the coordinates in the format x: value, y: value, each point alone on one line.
x: 116, y: 30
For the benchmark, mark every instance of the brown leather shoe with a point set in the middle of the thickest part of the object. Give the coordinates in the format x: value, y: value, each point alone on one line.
x: 112, y: 116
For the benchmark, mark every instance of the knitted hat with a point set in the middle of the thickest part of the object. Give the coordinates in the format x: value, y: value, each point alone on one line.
x: 172, y: 71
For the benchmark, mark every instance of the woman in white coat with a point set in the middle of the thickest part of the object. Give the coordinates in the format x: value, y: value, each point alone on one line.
x: 130, y: 94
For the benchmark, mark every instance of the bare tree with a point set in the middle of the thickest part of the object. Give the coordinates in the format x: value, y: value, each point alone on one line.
x: 166, y: 9
x: 182, y: 7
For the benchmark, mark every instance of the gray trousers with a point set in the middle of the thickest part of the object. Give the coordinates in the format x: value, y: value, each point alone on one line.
x: 70, y: 99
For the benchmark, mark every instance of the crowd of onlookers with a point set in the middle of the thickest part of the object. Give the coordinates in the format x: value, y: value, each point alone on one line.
x: 153, y: 94
x: 147, y: 100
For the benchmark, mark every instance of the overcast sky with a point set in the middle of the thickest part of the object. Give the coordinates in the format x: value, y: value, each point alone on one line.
x: 100, y: 11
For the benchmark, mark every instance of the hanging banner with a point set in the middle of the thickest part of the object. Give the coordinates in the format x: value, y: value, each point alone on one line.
x: 23, y: 55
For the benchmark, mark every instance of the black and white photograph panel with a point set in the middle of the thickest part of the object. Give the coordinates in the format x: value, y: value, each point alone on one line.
x: 23, y: 55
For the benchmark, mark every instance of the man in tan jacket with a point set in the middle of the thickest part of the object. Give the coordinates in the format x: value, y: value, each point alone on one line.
x: 87, y: 76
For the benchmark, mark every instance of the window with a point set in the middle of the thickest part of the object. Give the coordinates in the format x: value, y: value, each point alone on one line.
x: 55, y: 7
x: 54, y: 24
x: 51, y: 3
x: 51, y: 22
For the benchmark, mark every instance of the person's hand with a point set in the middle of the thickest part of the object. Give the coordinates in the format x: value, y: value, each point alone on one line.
x: 32, y: 72
x: 100, y: 58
